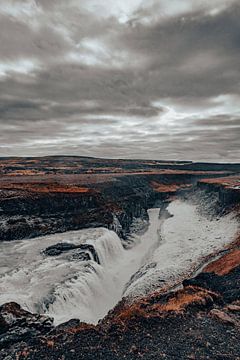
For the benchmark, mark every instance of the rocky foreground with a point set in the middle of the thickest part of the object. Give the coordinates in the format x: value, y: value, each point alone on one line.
x: 198, y: 320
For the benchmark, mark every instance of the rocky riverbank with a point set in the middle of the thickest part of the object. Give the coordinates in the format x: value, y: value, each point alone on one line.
x: 200, y: 319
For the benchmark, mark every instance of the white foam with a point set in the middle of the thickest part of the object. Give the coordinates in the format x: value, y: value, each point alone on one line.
x: 186, y: 238
x: 66, y: 288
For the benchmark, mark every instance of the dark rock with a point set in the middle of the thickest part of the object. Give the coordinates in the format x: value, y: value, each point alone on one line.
x: 68, y: 324
x: 19, y: 324
x: 85, y: 251
x: 90, y: 248
x: 16, y: 335
x: 59, y: 248
x: 30, y: 213
x: 82, y: 256
x: 222, y: 316
x: 227, y: 285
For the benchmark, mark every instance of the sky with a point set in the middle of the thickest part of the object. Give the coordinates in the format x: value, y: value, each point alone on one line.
x: 156, y: 79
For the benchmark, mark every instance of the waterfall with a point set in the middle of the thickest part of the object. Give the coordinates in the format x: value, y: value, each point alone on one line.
x: 69, y: 285
x: 63, y: 286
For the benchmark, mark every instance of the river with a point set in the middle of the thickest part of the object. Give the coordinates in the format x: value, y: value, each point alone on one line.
x: 64, y: 287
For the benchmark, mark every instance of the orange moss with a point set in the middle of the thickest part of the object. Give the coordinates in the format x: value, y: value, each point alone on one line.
x: 46, y: 188
x: 183, y: 298
x: 26, y: 172
x: 81, y: 327
x: 24, y: 353
x: 156, y: 305
x: 159, y: 187
x: 61, y: 189
x: 131, y: 311
x: 225, y: 264
x: 230, y: 182
x: 50, y: 343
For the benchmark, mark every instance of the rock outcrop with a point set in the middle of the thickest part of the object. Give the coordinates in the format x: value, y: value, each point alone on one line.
x: 84, y: 251
x: 18, y: 325
x: 199, y: 321
x: 36, y: 205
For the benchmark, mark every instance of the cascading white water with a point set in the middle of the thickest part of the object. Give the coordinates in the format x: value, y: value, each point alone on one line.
x: 186, y: 239
x: 65, y: 287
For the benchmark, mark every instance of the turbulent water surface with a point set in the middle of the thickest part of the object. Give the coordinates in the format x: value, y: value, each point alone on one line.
x: 65, y: 287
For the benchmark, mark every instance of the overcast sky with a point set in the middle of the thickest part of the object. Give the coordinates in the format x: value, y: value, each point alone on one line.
x: 120, y: 78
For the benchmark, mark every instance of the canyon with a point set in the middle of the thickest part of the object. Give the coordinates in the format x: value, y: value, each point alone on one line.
x: 109, y: 259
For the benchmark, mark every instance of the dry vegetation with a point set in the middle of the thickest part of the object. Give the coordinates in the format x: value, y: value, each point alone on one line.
x: 160, y: 187
x: 230, y: 182
x: 224, y: 264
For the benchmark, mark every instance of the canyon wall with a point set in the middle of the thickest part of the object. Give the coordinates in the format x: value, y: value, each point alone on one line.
x: 32, y: 207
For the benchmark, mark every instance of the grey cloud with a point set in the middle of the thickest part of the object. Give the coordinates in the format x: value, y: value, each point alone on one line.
x: 193, y: 55
x: 182, y: 62
x: 18, y: 40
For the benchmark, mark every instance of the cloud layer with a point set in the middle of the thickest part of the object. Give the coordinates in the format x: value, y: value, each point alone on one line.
x: 157, y: 79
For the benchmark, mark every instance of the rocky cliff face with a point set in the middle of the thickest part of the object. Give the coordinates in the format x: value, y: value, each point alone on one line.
x: 30, y: 207
x: 26, y: 214
x: 215, y: 196
x: 200, y: 320
x: 227, y: 190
